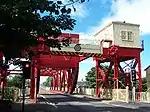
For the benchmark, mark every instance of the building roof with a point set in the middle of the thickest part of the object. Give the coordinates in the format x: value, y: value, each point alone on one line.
x: 81, y: 83
x: 115, y: 22
x: 147, y: 68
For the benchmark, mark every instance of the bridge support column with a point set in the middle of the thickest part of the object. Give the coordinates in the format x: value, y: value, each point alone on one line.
x: 60, y: 81
x: 33, y: 81
x: 54, y: 82
x: 69, y: 80
x: 64, y: 84
x: 139, y: 73
x: 64, y: 80
x: 97, y: 79
x: 1, y: 70
x: 116, y: 74
x: 57, y: 81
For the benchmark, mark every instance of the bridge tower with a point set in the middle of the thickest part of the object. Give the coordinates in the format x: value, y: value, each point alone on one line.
x: 61, y: 64
x: 63, y: 69
x: 121, y: 52
x: 65, y: 62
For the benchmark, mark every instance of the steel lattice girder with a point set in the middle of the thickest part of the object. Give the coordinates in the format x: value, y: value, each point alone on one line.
x: 65, y: 79
x: 123, y: 55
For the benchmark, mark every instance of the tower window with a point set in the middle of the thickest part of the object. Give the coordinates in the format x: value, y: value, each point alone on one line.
x: 130, y: 36
x: 123, y: 35
x: 127, y: 35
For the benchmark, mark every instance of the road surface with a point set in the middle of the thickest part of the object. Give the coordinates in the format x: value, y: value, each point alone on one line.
x: 67, y: 103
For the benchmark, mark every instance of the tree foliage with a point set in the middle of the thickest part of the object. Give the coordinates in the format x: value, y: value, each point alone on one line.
x: 47, y: 82
x: 16, y: 81
x: 144, y: 84
x: 22, y: 21
x: 91, y: 76
x: 91, y: 79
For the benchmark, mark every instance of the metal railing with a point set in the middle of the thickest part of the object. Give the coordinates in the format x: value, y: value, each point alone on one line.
x: 89, y: 41
x: 82, y: 41
x: 141, y: 96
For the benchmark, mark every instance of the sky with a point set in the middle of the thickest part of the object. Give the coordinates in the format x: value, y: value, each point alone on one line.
x: 95, y: 14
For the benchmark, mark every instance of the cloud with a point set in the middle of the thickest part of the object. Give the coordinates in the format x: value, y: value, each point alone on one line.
x: 81, y: 9
x: 131, y: 11
x: 86, y: 38
x: 88, y: 62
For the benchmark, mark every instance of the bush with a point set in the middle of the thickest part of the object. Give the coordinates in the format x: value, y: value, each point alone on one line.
x: 11, y: 93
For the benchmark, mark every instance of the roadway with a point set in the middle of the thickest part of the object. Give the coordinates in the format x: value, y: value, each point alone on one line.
x: 78, y: 103
x: 67, y: 103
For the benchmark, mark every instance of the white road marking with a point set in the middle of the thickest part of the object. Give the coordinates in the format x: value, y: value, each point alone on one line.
x: 48, y: 102
x: 108, y: 103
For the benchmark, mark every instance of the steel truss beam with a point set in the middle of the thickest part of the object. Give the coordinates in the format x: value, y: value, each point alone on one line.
x: 64, y: 80
x: 120, y: 74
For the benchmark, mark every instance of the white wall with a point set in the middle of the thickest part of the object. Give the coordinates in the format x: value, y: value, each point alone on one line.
x: 113, y: 32
x: 107, y: 34
x: 122, y: 43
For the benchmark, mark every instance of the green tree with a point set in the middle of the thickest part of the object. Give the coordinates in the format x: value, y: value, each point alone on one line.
x: 91, y: 79
x: 91, y: 76
x: 16, y: 81
x: 22, y: 21
x: 144, y: 84
x: 47, y: 82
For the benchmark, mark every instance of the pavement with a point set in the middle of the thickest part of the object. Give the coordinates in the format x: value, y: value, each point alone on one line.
x: 79, y: 103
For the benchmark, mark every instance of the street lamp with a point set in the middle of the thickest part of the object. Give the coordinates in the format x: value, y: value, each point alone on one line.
x: 26, y: 68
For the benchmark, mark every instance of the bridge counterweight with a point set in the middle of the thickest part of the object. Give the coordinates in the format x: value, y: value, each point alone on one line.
x: 65, y: 53
x: 79, y: 50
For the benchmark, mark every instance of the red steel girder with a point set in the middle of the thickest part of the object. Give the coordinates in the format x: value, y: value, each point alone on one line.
x: 58, y: 61
x: 66, y: 82
x: 121, y: 55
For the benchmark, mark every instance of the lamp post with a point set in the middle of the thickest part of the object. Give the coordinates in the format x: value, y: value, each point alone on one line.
x: 23, y: 92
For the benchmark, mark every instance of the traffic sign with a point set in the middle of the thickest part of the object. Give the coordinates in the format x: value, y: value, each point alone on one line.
x: 77, y: 47
x: 133, y: 76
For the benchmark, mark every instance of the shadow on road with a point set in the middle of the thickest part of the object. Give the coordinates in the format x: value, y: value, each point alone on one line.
x: 32, y: 108
x: 67, y: 103
x: 145, y: 108
x: 56, y: 98
x: 72, y: 108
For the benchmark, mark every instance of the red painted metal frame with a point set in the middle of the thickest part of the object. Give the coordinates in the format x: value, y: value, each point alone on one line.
x: 59, y: 61
x: 116, y: 55
x: 62, y: 69
x: 64, y: 80
x: 1, y: 70
x: 3, y: 73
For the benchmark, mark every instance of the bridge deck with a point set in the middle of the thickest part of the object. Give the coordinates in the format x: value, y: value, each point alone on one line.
x: 79, y: 50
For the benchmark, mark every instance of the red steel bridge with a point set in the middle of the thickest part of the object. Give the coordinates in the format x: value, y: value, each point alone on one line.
x: 63, y: 65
